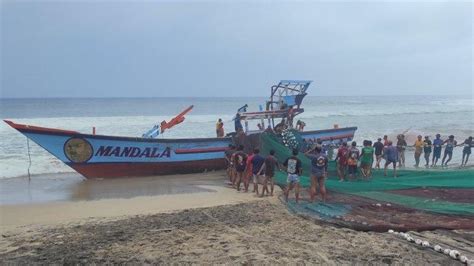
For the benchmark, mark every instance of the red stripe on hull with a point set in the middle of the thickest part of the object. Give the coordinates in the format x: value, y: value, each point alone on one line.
x: 21, y: 127
x: 185, y: 151
x: 110, y: 170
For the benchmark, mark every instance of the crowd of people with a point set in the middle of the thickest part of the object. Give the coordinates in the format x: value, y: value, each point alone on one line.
x: 244, y: 169
x: 254, y: 168
x: 348, y: 158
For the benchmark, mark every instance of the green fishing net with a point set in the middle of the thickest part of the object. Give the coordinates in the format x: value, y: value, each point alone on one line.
x: 379, y: 187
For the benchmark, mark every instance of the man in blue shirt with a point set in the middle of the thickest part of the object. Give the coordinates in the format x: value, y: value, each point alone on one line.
x: 257, y: 162
x: 437, y: 144
x: 319, y: 170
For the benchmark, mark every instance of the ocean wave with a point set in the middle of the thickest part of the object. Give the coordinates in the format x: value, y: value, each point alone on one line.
x: 316, y: 114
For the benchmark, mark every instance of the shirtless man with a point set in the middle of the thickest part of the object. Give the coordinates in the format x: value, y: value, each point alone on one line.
x: 240, y: 163
x: 268, y: 169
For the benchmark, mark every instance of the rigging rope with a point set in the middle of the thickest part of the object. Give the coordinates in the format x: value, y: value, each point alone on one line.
x: 29, y: 158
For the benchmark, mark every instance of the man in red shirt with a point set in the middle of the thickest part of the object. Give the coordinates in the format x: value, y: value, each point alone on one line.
x: 341, y: 159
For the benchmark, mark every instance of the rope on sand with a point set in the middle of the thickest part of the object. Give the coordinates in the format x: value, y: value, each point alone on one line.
x: 453, y: 253
x: 29, y: 159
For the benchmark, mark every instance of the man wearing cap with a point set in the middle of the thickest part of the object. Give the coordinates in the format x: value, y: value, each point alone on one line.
x: 437, y: 146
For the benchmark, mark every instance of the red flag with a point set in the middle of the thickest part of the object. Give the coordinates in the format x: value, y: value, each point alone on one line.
x: 176, y: 120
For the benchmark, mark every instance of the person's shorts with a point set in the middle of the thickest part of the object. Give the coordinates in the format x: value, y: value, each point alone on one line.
x: 293, y: 179
x: 352, y: 169
x: 238, y: 170
x: 255, y: 178
x: 437, y: 153
x: 378, y: 156
x: 319, y: 176
x: 387, y: 162
x: 450, y: 153
x: 342, y: 165
x: 466, y: 150
x: 269, y: 178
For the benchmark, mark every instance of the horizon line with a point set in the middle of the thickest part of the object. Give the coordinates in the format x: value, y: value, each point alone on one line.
x: 203, y: 97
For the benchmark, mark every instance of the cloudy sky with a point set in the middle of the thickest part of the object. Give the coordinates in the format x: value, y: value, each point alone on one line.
x: 233, y: 48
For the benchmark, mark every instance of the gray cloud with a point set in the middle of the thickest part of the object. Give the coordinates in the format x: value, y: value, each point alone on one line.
x: 103, y: 49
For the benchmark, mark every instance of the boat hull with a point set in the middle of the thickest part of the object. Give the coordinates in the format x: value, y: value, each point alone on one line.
x: 98, y: 156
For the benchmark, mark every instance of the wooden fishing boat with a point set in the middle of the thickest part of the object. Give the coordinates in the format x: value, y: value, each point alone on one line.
x: 101, y: 156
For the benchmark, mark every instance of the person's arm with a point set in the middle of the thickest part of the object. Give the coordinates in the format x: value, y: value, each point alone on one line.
x: 309, y: 151
x: 326, y: 166
x: 277, y: 165
x: 261, y: 169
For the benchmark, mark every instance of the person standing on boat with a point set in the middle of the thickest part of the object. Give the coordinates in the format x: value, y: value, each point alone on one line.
x: 237, y: 123
x: 240, y: 159
x: 427, y: 148
x: 300, y: 125
x: 391, y: 157
x: 401, y: 147
x: 319, y: 170
x: 257, y: 162
x: 341, y: 159
x: 448, y: 151
x: 419, y: 144
x: 220, y: 128
x: 294, y: 170
x: 268, y: 169
x: 378, y: 146
x: 466, y: 151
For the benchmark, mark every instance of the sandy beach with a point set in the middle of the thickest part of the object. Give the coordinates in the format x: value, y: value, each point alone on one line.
x: 210, y: 225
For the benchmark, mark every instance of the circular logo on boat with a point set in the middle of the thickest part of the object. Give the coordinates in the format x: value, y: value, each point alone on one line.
x: 78, y: 150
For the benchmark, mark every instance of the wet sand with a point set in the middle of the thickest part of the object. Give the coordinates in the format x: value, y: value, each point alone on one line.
x: 193, y: 219
x: 112, y: 198
x: 74, y: 187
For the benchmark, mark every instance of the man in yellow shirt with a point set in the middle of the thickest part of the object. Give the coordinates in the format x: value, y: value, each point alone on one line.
x: 419, y: 144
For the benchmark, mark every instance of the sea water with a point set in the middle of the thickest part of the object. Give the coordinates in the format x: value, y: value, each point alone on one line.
x: 374, y: 116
